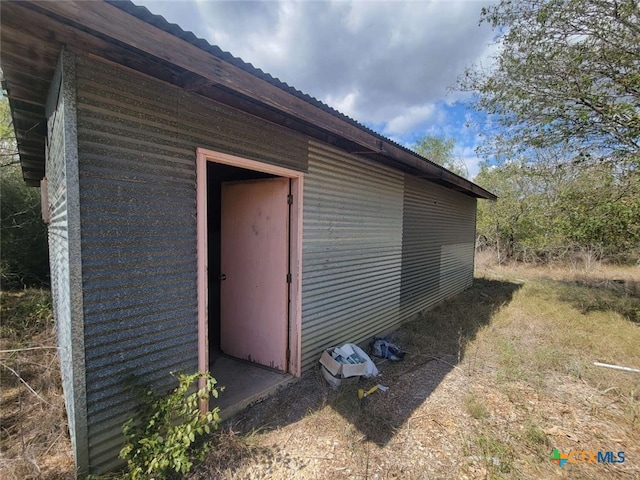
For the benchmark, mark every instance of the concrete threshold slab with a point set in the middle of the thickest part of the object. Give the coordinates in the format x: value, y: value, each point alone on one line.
x: 245, y: 384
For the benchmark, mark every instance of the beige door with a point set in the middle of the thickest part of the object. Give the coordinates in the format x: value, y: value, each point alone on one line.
x: 254, y: 265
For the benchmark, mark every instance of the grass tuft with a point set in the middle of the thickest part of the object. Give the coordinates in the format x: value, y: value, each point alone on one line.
x: 34, y: 441
x: 24, y: 314
x: 535, y: 437
x: 475, y: 407
x: 497, y: 454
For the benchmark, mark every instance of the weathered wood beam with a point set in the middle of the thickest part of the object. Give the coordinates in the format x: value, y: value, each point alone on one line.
x: 25, y: 88
x: 44, y: 30
x: 24, y: 66
x: 32, y: 130
x: 31, y: 164
x: 108, y: 20
x: 16, y: 39
x: 20, y: 115
x: 31, y: 145
x: 32, y: 177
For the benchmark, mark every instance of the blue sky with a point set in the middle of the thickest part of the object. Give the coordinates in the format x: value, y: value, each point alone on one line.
x: 388, y: 64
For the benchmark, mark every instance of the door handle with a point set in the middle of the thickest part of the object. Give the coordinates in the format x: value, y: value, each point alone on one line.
x: 222, y: 277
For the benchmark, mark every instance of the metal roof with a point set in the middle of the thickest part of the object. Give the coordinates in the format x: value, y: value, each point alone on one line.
x: 71, y: 16
x: 160, y: 22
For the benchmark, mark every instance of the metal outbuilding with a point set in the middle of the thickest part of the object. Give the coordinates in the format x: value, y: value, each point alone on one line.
x: 199, y: 207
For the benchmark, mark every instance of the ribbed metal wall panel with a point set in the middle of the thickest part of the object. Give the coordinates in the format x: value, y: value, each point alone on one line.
x: 137, y: 141
x: 59, y: 252
x: 64, y: 248
x: 169, y: 123
x: 352, y: 249
x: 437, y: 244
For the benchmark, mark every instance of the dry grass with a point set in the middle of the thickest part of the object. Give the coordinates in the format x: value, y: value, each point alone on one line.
x: 494, y: 380
x: 34, y: 441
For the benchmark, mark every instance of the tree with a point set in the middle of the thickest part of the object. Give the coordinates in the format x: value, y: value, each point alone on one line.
x: 8, y: 149
x: 566, y: 72
x: 440, y: 150
x: 600, y: 210
x: 552, y: 209
x: 23, y: 235
x: 515, y: 225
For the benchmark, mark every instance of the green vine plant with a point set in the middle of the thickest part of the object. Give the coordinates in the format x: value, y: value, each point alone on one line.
x: 163, y: 440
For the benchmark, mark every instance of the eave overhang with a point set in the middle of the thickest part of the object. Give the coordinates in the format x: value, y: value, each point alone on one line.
x: 33, y: 33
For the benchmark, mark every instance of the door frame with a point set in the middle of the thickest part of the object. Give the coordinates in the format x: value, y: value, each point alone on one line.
x: 295, y: 250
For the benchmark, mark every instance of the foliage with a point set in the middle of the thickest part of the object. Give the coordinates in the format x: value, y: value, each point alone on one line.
x: 565, y: 72
x: 440, y: 150
x: 23, y: 235
x: 25, y: 313
x: 8, y: 150
x: 35, y: 436
x: 161, y: 438
x: 550, y: 209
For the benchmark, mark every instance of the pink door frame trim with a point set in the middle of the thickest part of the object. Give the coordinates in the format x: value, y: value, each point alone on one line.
x: 295, y: 306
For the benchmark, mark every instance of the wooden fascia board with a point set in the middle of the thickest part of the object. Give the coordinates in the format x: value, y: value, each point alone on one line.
x: 114, y: 23
x: 121, y: 26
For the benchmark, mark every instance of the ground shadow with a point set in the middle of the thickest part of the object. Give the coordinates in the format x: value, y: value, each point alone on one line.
x: 435, y: 343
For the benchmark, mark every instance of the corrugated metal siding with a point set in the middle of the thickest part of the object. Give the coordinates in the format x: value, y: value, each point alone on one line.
x: 169, y: 123
x: 352, y: 247
x: 437, y: 244
x: 59, y: 252
x: 64, y: 248
x: 456, y: 267
x: 137, y: 141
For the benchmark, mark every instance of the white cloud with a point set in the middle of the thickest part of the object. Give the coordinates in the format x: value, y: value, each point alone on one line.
x: 470, y: 159
x: 410, y: 119
x: 384, y: 63
x: 344, y: 104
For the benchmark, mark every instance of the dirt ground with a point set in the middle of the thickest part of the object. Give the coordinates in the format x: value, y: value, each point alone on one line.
x: 34, y: 440
x: 494, y: 380
x: 483, y: 393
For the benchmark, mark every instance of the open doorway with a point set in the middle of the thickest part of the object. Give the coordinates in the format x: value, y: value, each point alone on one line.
x: 249, y: 274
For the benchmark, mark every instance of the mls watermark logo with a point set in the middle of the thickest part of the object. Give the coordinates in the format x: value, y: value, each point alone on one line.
x: 584, y: 456
x: 559, y: 458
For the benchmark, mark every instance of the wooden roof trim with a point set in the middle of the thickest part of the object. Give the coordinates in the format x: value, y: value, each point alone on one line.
x: 121, y: 26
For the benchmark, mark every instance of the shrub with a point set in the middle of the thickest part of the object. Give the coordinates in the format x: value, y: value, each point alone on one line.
x: 161, y: 440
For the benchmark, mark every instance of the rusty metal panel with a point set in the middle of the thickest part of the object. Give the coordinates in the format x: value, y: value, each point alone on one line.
x: 352, y: 248
x: 137, y: 139
x: 437, y: 244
